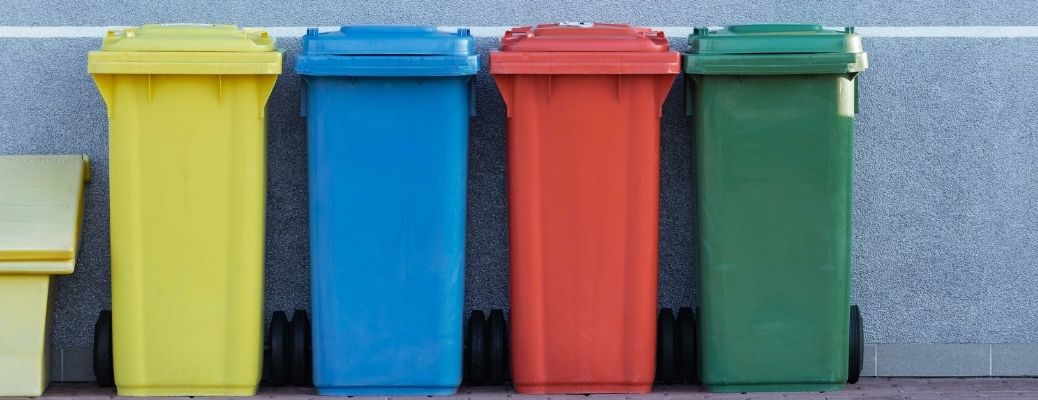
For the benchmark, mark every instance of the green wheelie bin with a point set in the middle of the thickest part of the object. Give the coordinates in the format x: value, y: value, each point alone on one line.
x: 772, y: 109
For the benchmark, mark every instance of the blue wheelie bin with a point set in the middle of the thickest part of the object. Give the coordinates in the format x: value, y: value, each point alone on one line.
x: 387, y: 113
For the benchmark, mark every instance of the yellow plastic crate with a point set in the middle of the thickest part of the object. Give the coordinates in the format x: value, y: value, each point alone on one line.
x: 41, y: 206
x: 187, y: 179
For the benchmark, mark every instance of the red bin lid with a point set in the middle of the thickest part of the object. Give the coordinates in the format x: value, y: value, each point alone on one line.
x: 583, y: 36
x: 584, y: 48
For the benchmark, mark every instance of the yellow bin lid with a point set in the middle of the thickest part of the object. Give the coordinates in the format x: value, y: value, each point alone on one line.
x: 186, y: 49
x: 41, y: 206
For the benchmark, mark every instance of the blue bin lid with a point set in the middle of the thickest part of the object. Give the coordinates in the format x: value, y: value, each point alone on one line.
x: 387, y: 51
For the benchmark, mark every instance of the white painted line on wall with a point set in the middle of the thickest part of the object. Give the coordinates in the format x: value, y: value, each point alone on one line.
x: 950, y: 31
x: 43, y: 32
x: 38, y: 32
x: 296, y: 31
x: 480, y: 31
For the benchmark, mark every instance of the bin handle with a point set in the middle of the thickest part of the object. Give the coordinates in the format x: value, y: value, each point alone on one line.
x: 105, y: 84
x: 854, y: 77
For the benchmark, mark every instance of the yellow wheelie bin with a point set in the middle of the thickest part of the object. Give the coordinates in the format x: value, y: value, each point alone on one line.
x: 187, y: 178
x: 41, y: 209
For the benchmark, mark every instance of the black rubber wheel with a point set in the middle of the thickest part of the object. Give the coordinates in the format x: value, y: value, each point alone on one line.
x: 476, y: 351
x: 497, y: 354
x: 299, y: 345
x: 278, y: 348
x: 665, y: 355
x: 686, y: 347
x: 856, y: 354
x: 104, y: 370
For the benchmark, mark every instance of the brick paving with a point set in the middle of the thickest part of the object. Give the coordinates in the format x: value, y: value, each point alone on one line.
x: 868, y: 388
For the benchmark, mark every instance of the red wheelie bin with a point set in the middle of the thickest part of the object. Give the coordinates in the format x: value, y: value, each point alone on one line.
x: 584, y: 103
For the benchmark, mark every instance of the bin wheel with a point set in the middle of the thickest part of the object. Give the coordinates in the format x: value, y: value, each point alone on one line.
x: 476, y: 351
x: 278, y: 349
x: 665, y: 360
x: 686, y: 346
x: 856, y: 355
x: 103, y: 365
x: 299, y: 344
x: 497, y: 354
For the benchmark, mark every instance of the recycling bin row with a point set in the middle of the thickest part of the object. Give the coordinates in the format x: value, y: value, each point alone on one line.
x: 387, y: 112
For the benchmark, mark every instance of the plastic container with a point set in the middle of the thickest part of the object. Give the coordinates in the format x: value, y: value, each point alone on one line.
x: 187, y: 148
x: 584, y: 103
x: 41, y: 209
x: 773, y: 109
x: 388, y: 113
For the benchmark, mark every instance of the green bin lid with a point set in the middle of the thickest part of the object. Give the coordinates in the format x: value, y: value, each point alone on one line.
x: 774, y: 49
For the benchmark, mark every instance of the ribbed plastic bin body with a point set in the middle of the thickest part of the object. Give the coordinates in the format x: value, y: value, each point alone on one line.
x: 41, y: 208
x: 388, y: 113
x: 773, y: 111
x: 584, y: 103
x: 187, y: 148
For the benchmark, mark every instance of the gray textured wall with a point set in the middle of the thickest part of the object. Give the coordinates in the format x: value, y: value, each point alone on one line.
x: 508, y: 12
x: 946, y: 183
